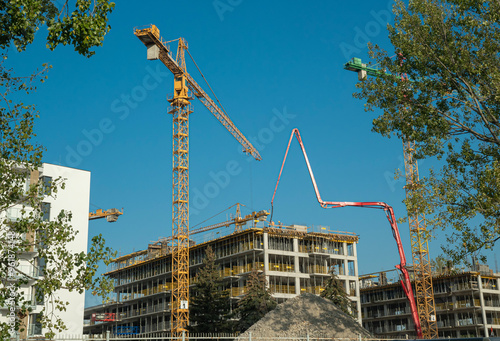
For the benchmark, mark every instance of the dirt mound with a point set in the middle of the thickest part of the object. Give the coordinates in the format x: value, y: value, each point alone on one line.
x: 307, y: 314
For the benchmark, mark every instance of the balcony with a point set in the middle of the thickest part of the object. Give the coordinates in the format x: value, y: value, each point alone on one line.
x: 143, y: 311
x: 24, y: 271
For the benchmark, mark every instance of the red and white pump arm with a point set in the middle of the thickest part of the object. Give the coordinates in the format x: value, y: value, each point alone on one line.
x: 389, y: 212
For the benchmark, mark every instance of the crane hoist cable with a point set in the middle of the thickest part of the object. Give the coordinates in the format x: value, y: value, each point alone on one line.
x: 389, y: 212
x: 215, y: 215
x: 201, y: 73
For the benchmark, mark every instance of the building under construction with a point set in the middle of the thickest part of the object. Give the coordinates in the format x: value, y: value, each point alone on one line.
x: 295, y: 259
x: 467, y: 304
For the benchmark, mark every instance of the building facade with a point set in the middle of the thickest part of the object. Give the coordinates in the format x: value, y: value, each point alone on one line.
x: 294, y: 259
x: 75, y: 198
x: 467, y: 305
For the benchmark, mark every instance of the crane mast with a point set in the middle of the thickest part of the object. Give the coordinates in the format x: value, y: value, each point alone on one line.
x: 180, y: 110
x: 424, y: 294
x: 420, y: 251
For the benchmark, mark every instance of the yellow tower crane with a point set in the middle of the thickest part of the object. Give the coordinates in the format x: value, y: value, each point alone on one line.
x: 180, y: 104
x: 424, y: 294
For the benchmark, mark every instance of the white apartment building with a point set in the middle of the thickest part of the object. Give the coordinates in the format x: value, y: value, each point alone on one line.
x: 75, y: 198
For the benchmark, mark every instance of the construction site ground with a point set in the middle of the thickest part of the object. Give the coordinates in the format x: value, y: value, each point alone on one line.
x: 303, y: 315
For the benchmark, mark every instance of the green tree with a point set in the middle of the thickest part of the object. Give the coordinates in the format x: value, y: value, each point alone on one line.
x: 82, y: 24
x: 335, y: 291
x: 449, y: 50
x: 439, y: 264
x: 210, y: 306
x: 256, y: 302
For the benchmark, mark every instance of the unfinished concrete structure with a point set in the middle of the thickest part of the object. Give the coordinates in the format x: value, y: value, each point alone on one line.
x: 295, y: 259
x: 467, y: 305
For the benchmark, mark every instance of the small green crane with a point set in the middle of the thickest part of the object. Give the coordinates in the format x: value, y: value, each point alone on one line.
x: 356, y: 65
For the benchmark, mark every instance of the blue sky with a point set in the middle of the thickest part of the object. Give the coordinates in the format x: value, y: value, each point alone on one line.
x: 274, y: 66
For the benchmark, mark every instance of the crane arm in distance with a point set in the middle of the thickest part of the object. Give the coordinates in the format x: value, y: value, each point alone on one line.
x: 389, y: 212
x: 158, y: 49
x: 111, y: 215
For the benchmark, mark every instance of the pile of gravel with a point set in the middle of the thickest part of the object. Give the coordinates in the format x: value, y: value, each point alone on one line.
x: 307, y: 314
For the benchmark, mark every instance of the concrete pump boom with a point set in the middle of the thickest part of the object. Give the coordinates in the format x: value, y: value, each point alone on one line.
x: 389, y: 212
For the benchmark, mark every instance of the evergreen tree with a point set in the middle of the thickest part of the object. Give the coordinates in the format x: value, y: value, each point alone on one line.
x: 210, y: 306
x: 256, y: 303
x: 335, y: 292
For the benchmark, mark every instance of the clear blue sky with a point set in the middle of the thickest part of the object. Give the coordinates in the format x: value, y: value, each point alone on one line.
x: 275, y: 65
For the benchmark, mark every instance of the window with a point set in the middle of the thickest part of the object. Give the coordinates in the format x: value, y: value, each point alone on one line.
x: 14, y: 213
x: 46, y: 184
x: 45, y: 211
x: 41, y: 266
x: 27, y: 184
x: 350, y: 268
x: 350, y: 250
x: 38, y: 295
x: 35, y: 326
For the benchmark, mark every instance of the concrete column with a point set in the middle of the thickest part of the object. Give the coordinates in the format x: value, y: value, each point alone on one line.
x: 358, y: 295
x: 266, y: 255
x: 355, y: 254
x: 481, y: 299
x: 455, y: 315
x: 296, y: 259
x: 358, y: 306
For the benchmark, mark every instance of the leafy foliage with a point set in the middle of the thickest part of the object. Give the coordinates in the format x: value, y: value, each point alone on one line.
x: 256, y: 302
x: 450, y: 107
x: 442, y: 265
x: 61, y: 268
x: 210, y: 305
x: 335, y: 292
x: 84, y: 28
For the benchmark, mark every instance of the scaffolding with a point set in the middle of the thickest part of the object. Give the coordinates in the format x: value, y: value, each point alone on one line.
x: 295, y: 259
x: 467, y: 305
